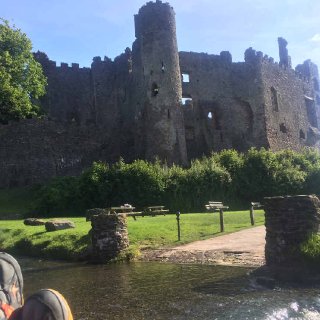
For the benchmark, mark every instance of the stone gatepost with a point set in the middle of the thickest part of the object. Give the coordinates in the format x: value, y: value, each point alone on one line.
x: 109, y: 236
x: 289, y: 221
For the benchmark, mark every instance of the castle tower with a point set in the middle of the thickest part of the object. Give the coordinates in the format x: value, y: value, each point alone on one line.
x: 285, y: 59
x: 157, y: 85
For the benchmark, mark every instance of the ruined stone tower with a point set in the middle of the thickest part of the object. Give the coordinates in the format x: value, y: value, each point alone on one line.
x: 157, y: 83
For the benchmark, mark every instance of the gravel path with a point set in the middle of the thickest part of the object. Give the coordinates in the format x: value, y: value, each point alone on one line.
x: 242, y: 248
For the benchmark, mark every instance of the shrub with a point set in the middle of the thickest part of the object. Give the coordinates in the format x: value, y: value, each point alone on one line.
x: 228, y: 176
x: 310, y: 249
x: 59, y: 196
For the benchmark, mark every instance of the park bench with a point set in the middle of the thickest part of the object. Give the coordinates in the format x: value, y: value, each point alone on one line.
x: 213, y: 206
x: 254, y: 205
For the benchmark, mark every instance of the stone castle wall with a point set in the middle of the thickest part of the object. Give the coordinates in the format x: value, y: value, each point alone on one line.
x: 225, y: 111
x: 131, y: 107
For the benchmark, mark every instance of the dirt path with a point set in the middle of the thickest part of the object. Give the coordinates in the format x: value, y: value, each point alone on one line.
x: 242, y: 248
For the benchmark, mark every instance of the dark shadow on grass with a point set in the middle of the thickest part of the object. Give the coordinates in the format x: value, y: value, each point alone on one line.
x: 39, y: 233
x: 86, y: 239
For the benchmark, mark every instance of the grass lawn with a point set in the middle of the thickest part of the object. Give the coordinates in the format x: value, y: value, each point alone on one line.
x: 147, y: 232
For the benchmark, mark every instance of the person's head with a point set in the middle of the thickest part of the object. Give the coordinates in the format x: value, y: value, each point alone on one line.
x: 46, y: 304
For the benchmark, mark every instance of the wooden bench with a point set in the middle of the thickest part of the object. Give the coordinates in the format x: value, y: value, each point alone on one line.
x: 254, y: 205
x: 214, y: 206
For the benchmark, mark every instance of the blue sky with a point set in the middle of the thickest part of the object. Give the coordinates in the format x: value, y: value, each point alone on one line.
x: 76, y: 31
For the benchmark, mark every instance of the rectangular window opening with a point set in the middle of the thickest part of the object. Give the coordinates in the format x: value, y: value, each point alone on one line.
x: 185, y: 77
x: 186, y: 101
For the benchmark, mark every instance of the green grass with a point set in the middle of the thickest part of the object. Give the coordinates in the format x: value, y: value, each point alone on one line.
x: 147, y: 232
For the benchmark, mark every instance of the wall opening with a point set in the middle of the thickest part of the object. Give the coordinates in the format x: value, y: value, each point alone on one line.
x: 311, y: 112
x: 186, y: 101
x: 185, y: 77
x: 302, y: 134
x: 169, y: 115
x: 274, y: 99
x: 155, y: 89
x: 210, y: 115
x: 283, y: 128
x: 73, y: 117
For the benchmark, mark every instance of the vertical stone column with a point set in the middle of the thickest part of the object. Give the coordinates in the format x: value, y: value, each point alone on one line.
x: 158, y: 88
x: 109, y: 236
x: 289, y: 221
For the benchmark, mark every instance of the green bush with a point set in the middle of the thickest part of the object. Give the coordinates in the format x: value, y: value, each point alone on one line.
x: 60, y: 196
x: 310, y: 249
x: 228, y: 176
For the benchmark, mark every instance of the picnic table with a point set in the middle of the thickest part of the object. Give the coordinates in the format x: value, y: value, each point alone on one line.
x: 154, y: 211
x: 121, y: 209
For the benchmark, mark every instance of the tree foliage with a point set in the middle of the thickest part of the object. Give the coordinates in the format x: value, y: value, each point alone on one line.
x: 228, y: 176
x: 21, y: 79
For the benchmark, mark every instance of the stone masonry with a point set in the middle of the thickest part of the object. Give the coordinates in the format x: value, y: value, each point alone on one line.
x: 153, y: 101
x: 109, y: 236
x: 289, y: 221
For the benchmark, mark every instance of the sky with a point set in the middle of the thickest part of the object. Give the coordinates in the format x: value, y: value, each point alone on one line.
x: 75, y: 31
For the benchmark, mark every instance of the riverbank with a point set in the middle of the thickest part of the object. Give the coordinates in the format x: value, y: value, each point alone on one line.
x: 243, y: 248
x: 146, y: 235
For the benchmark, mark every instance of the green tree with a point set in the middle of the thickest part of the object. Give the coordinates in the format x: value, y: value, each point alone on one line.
x: 21, y: 79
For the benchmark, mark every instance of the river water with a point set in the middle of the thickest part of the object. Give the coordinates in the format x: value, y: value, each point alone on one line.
x: 167, y: 291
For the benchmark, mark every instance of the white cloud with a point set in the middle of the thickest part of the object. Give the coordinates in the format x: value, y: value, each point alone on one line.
x: 316, y: 38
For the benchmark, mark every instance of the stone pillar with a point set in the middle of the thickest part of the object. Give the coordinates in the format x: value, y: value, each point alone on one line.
x: 109, y: 236
x: 289, y: 221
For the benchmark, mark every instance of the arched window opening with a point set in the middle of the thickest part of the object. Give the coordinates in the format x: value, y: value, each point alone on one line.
x: 155, y: 89
x: 283, y: 128
x: 210, y: 115
x: 302, y: 134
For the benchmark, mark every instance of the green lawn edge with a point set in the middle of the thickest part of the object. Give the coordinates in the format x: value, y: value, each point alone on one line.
x: 144, y: 233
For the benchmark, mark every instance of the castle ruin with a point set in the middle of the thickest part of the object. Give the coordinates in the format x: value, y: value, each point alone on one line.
x: 153, y: 101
